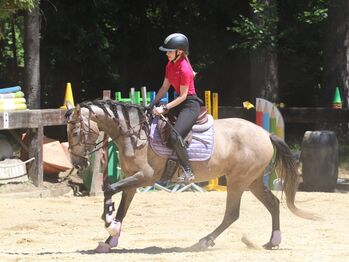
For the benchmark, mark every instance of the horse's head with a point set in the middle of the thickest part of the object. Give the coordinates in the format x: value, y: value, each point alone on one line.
x: 82, y: 135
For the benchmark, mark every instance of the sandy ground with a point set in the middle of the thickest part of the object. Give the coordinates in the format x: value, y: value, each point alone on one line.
x: 161, y: 226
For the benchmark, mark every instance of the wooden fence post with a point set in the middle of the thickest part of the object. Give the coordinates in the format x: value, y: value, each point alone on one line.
x: 101, y: 160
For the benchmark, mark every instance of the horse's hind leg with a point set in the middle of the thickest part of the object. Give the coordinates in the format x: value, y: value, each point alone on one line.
x: 272, y: 204
x: 232, y: 212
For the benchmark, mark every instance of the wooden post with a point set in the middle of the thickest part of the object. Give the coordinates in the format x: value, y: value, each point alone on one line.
x: 97, y: 179
x: 101, y: 160
x: 35, y: 147
x: 104, y: 156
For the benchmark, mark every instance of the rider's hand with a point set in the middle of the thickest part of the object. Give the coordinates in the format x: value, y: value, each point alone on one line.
x: 158, y: 110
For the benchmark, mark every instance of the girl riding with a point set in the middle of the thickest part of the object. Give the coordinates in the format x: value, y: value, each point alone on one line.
x: 186, y: 106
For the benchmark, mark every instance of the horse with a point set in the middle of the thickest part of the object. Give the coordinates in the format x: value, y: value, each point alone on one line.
x: 242, y: 151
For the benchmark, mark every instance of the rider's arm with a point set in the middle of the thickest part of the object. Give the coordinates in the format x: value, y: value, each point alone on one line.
x: 182, y: 96
x: 162, y: 91
x: 179, y: 99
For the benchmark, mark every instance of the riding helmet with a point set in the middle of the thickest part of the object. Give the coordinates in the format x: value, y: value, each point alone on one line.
x: 174, y: 42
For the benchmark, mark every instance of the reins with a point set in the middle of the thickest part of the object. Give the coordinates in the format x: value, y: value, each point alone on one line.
x: 85, y: 130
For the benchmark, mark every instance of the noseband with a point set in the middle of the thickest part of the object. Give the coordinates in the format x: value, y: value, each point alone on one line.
x: 83, y: 131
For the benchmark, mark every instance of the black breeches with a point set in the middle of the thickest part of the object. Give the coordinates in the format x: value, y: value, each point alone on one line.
x: 187, y: 113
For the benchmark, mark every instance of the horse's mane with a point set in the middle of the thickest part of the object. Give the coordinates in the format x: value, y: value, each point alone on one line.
x: 111, y: 104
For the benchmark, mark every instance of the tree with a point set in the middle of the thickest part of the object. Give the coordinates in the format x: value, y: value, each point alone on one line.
x: 32, y: 57
x: 336, y: 69
x: 264, y: 60
x: 8, y: 9
x: 259, y: 38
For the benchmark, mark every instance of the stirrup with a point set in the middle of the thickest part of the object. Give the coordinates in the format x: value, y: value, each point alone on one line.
x: 186, y: 177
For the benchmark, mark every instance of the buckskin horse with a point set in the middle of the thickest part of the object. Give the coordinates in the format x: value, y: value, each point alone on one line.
x: 242, y: 151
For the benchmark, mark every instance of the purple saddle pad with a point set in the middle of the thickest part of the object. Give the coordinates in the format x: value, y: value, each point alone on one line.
x: 200, y: 148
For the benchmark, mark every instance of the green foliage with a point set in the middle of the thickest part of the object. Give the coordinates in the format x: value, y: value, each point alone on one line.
x: 258, y: 32
x: 263, y: 30
x: 314, y: 14
x: 113, y: 44
x: 8, y: 7
x: 9, y: 41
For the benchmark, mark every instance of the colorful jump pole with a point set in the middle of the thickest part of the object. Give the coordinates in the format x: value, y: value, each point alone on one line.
x: 269, y: 117
x: 213, y: 184
x: 136, y: 97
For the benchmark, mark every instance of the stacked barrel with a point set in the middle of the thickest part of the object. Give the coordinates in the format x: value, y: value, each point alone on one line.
x: 12, y: 98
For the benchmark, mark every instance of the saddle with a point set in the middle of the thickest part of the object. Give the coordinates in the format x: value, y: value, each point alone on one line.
x: 164, y: 126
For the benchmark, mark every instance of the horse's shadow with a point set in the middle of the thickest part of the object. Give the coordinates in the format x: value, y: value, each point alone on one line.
x: 147, y: 250
x: 152, y: 250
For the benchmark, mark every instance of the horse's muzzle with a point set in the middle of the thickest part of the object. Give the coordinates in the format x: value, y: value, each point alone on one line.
x: 82, y: 165
x: 78, y: 167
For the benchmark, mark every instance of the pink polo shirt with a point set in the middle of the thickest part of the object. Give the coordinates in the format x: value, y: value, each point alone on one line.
x: 179, y: 74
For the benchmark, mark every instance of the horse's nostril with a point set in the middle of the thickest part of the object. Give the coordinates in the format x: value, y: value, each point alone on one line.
x: 77, y: 166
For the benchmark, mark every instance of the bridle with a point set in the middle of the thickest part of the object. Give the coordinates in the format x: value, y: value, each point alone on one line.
x: 83, y: 130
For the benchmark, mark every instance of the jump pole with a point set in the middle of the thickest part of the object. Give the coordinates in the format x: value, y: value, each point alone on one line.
x: 213, y: 109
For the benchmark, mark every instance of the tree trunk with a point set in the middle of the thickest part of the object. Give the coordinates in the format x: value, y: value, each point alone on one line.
x: 336, y: 52
x: 263, y: 63
x: 32, y: 57
x: 264, y: 74
x: 14, y: 75
x: 345, y: 72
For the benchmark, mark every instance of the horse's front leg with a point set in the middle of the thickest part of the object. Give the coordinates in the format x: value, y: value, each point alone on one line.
x: 141, y: 178
x: 113, y: 225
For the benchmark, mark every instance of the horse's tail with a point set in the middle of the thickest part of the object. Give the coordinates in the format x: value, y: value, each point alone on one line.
x: 286, y: 167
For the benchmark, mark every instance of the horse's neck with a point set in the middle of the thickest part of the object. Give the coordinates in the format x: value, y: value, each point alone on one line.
x: 118, y: 130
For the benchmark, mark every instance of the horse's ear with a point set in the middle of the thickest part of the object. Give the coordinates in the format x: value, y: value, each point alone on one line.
x: 68, y: 104
x: 77, y: 109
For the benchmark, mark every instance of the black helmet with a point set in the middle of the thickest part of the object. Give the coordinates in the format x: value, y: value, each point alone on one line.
x: 174, y: 42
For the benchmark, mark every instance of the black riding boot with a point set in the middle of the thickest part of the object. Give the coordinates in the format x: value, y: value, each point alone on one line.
x: 182, y: 154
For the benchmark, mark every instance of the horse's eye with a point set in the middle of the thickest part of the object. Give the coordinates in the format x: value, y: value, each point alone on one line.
x: 75, y: 131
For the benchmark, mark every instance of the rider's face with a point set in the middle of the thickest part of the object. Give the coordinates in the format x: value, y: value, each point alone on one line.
x: 171, y: 55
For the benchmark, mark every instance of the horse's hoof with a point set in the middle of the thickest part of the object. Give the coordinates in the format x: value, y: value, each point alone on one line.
x: 206, y: 242
x: 274, y: 241
x: 270, y: 246
x: 113, y: 241
x: 103, y: 248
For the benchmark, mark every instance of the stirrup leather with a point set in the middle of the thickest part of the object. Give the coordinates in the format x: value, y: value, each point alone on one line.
x: 170, y: 169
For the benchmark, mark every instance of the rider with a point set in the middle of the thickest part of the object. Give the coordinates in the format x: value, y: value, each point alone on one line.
x: 186, y: 106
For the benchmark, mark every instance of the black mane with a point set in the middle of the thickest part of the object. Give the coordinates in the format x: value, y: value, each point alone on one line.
x: 113, y: 106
